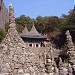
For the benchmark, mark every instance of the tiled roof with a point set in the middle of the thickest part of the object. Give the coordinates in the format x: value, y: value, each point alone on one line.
x: 32, y: 34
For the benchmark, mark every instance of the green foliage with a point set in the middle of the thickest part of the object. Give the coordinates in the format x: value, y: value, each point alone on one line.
x: 54, y: 26
x: 24, y: 20
x: 7, y: 27
x: 2, y: 34
x: 47, y: 24
x: 40, y: 24
x: 53, y: 23
x: 19, y: 28
x: 43, y: 24
x: 68, y: 22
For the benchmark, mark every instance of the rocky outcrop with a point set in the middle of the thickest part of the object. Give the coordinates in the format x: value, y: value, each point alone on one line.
x: 4, y: 15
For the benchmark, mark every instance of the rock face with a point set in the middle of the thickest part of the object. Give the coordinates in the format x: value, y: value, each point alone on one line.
x: 4, y: 15
x: 15, y: 59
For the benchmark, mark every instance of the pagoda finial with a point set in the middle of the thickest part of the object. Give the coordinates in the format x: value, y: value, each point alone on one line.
x: 11, y: 15
x: 10, y: 5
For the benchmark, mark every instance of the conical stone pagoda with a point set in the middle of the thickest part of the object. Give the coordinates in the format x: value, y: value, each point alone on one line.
x: 71, y: 53
x: 15, y: 59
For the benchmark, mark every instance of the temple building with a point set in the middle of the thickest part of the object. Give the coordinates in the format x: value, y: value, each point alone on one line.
x: 33, y: 38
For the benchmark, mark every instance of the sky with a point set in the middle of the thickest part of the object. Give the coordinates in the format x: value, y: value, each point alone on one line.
x: 34, y: 8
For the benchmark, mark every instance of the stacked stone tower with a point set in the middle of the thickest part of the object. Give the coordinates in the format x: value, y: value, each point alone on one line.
x: 71, y: 53
x: 11, y: 14
x: 15, y: 59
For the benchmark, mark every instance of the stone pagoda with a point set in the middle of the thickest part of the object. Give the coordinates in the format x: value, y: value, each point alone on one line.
x: 15, y: 59
x: 71, y: 53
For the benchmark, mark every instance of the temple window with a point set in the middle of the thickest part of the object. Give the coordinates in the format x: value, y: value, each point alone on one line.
x: 30, y: 45
x: 36, y: 45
